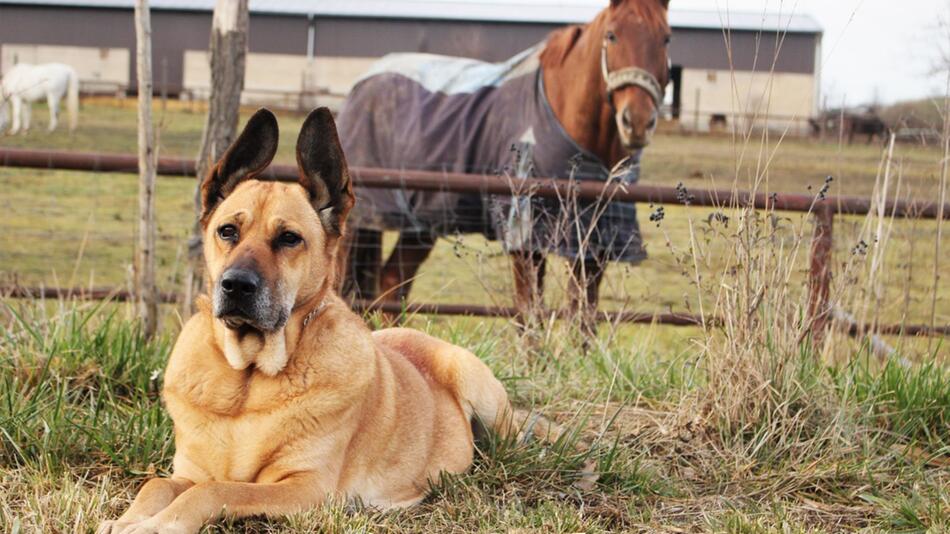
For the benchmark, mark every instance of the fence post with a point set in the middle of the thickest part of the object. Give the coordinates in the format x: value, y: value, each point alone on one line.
x: 145, y: 287
x: 819, y: 283
x: 230, y: 25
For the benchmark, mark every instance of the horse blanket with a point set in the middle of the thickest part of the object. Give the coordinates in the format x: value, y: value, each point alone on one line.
x: 439, y: 113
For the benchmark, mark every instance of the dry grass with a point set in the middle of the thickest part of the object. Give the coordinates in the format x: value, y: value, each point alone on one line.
x: 747, y: 427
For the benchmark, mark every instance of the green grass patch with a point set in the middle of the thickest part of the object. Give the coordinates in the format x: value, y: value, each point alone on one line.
x: 81, y: 386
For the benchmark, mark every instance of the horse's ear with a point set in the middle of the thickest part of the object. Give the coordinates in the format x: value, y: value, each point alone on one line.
x: 322, y: 169
x: 560, y: 44
x: 246, y: 158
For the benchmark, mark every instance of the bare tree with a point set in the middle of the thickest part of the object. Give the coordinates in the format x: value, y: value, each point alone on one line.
x: 940, y: 36
x: 229, y: 35
x: 145, y: 288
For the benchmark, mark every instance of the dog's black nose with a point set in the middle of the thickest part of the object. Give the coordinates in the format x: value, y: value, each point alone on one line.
x: 240, y: 282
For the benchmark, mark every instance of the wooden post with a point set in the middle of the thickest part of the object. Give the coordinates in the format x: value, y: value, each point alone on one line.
x: 145, y: 288
x: 696, y: 112
x: 228, y: 52
x: 819, y: 283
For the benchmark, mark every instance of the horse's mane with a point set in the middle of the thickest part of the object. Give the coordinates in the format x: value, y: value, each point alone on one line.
x: 560, y: 42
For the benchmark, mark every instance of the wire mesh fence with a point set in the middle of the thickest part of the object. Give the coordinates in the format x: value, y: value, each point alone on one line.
x: 468, y: 269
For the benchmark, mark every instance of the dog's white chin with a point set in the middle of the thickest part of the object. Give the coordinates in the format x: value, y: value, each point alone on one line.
x: 267, y: 351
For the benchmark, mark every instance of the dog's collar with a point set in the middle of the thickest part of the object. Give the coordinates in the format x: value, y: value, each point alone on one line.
x: 314, y: 312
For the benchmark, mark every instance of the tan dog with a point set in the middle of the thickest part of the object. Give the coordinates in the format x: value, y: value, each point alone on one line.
x: 281, y: 396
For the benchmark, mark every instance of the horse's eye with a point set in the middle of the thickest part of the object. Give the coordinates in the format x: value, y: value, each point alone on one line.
x: 667, y: 40
x: 288, y: 239
x: 611, y: 36
x: 228, y: 232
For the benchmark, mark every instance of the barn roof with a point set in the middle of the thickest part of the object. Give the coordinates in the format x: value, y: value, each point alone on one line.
x: 539, y: 11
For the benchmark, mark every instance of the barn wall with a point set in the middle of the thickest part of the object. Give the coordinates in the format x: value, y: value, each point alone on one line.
x: 344, y: 47
x: 281, y: 73
x: 338, y: 37
x: 100, y: 69
x: 749, y: 51
x: 788, y: 99
x: 173, y: 32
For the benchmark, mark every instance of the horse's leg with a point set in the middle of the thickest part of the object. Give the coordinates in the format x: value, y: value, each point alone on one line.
x: 585, y: 293
x: 365, y: 257
x: 528, y: 269
x: 400, y: 270
x: 27, y: 113
x: 53, y: 101
x: 16, y: 107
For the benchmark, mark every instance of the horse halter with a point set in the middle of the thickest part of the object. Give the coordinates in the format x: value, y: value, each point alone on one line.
x: 629, y: 76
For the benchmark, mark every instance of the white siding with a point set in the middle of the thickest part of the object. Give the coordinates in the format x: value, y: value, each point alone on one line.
x: 100, y: 69
x: 786, y: 100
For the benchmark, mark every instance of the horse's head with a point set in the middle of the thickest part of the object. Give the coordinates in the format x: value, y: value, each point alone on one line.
x: 635, y: 65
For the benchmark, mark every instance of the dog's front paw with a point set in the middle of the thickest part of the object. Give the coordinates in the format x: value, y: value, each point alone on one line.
x: 114, y: 527
x: 157, y: 526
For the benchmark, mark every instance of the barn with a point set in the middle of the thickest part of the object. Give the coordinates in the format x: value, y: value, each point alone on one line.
x: 734, y: 67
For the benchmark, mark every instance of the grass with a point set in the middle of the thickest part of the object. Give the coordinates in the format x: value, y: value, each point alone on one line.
x: 744, y: 428
x: 824, y: 448
x: 70, y: 228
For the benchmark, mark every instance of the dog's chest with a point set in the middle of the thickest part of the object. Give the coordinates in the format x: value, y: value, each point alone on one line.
x: 244, y: 448
x: 226, y: 448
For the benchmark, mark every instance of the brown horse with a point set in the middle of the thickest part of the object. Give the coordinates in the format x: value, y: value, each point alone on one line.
x: 604, y: 83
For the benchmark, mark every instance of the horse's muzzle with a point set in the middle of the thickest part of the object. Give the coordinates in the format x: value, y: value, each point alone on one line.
x: 635, y: 129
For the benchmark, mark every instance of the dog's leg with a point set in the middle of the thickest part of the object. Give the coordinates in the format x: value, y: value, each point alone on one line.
x: 208, y: 501
x: 154, y: 497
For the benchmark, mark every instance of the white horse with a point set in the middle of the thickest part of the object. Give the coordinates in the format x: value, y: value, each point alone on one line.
x: 24, y: 84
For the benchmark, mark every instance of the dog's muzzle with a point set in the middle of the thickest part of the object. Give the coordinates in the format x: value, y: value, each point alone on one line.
x: 242, y: 299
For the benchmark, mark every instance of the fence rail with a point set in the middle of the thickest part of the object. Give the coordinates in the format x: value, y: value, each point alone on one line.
x: 492, y: 184
x: 473, y: 310
x: 825, y: 208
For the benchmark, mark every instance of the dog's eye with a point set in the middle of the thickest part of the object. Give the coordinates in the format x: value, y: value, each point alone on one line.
x: 288, y: 239
x: 611, y: 36
x: 228, y: 232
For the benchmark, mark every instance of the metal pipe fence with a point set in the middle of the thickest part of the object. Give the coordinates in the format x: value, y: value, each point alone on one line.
x: 493, y: 184
x: 825, y: 209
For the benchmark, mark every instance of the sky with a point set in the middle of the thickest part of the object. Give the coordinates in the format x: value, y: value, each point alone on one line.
x: 872, y: 50
x: 879, y: 51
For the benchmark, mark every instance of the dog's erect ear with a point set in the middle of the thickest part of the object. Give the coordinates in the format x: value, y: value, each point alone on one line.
x: 323, y: 172
x: 246, y: 158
